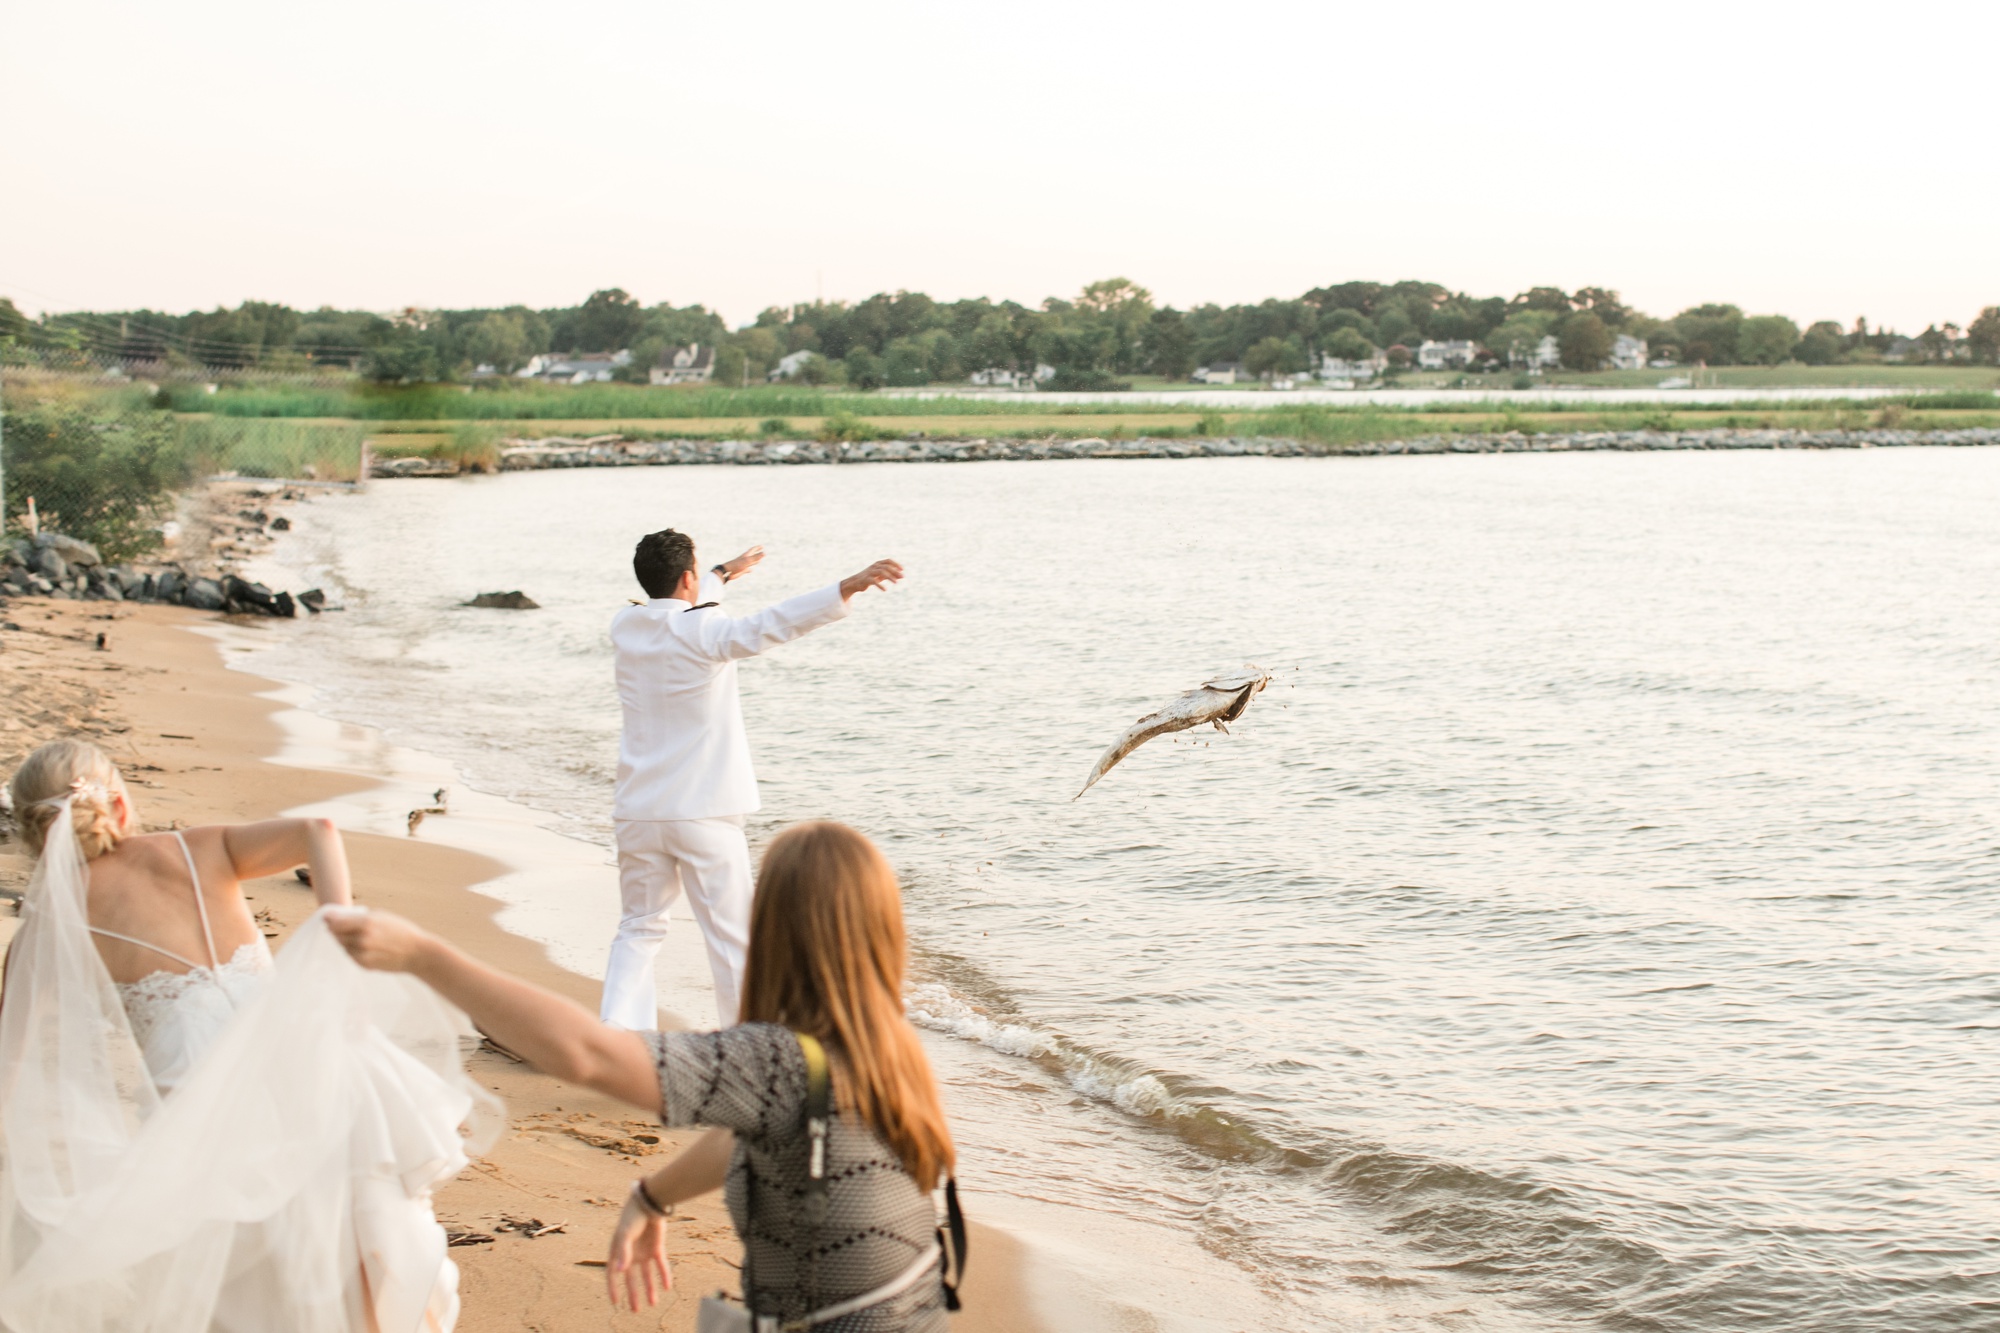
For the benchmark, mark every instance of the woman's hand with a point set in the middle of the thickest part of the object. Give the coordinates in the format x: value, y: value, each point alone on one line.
x: 638, y: 1257
x: 381, y: 941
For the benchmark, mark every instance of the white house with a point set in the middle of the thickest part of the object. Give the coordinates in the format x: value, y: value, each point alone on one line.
x: 1547, y: 353
x: 995, y: 377
x: 1333, y: 368
x: 1454, y: 355
x: 576, y: 368
x: 1222, y: 372
x: 1628, y: 353
x: 790, y: 367
x: 692, y: 364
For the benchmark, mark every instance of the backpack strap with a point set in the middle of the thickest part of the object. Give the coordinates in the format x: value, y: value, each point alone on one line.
x: 954, y: 1253
x: 819, y: 1112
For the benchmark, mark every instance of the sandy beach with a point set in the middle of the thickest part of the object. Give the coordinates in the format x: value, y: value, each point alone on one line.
x: 531, y: 1218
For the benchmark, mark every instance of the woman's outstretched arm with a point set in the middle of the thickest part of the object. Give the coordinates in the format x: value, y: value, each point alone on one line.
x: 273, y: 846
x: 555, y: 1035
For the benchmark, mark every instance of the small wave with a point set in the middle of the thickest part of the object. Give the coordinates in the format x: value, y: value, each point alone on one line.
x: 1148, y: 1096
x: 935, y: 1007
x: 1137, y: 1092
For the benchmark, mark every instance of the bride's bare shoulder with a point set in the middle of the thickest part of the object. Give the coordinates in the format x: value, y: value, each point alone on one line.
x: 160, y: 852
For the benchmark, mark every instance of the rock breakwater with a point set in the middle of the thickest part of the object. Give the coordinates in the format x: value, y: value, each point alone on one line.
x: 618, y: 451
x: 219, y: 524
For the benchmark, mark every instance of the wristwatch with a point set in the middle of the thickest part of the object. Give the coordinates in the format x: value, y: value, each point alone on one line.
x: 722, y: 570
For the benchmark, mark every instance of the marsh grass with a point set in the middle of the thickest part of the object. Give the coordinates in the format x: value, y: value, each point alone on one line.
x: 518, y: 406
x: 473, y: 445
x: 273, y: 447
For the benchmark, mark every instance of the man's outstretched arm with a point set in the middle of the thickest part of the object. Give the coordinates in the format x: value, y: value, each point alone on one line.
x: 731, y: 639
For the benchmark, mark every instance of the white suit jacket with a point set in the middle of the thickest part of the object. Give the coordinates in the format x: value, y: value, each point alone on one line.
x: 683, y: 753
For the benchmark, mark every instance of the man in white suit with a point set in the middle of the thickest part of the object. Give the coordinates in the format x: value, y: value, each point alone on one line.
x: 684, y: 775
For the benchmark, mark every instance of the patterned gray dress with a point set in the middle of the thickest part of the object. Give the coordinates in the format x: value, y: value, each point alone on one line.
x: 752, y: 1079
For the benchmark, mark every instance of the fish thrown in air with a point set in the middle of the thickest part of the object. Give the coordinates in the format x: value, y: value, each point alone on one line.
x: 1218, y: 701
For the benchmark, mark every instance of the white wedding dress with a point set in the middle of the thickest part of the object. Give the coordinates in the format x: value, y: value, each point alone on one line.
x: 247, y: 1146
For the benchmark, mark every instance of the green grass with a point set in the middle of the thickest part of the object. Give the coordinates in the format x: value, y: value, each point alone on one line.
x: 473, y: 445
x: 274, y: 447
x: 511, y: 407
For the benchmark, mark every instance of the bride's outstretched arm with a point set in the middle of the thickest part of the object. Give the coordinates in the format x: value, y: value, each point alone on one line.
x: 273, y: 846
x: 557, y: 1036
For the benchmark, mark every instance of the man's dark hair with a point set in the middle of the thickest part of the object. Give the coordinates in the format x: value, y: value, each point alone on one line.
x: 660, y: 559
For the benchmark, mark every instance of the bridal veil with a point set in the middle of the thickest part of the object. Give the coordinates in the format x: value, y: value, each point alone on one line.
x: 285, y: 1184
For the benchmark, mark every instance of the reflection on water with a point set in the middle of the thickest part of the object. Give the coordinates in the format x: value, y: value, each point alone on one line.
x: 1593, y: 926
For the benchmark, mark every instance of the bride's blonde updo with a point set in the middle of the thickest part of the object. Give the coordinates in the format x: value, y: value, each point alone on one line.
x: 70, y: 768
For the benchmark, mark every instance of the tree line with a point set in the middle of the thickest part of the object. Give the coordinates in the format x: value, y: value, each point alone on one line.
x: 1110, y: 329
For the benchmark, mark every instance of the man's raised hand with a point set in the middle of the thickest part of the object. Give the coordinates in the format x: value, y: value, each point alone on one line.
x: 879, y: 574
x: 742, y: 564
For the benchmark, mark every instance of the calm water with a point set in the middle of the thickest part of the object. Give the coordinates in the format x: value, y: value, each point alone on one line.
x: 1593, y: 927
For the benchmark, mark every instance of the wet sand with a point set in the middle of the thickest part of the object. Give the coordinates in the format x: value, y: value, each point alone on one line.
x: 193, y: 738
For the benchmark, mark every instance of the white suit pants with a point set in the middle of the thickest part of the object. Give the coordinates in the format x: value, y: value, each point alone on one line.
x: 658, y: 859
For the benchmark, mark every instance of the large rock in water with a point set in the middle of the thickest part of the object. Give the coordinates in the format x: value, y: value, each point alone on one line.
x: 506, y: 601
x: 250, y: 595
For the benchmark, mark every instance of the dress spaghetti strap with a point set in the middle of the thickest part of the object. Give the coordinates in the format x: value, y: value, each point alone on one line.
x: 200, y: 906
x: 188, y: 963
x: 200, y: 900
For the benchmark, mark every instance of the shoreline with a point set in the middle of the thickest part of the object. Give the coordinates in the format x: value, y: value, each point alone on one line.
x: 618, y: 450
x: 203, y: 740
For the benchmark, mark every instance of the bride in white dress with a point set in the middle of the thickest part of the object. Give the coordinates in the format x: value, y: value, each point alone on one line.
x: 194, y: 1137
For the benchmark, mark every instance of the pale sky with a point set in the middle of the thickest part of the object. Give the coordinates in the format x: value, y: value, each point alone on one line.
x: 1820, y: 160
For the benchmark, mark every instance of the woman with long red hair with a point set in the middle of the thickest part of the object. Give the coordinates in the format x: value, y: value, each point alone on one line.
x: 827, y: 1132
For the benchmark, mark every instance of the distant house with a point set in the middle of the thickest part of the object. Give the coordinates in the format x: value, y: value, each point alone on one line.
x: 1222, y: 372
x: 789, y: 367
x: 693, y: 364
x: 1547, y: 354
x: 1333, y: 368
x: 575, y: 368
x: 995, y: 377
x: 1628, y: 353
x: 1454, y: 355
